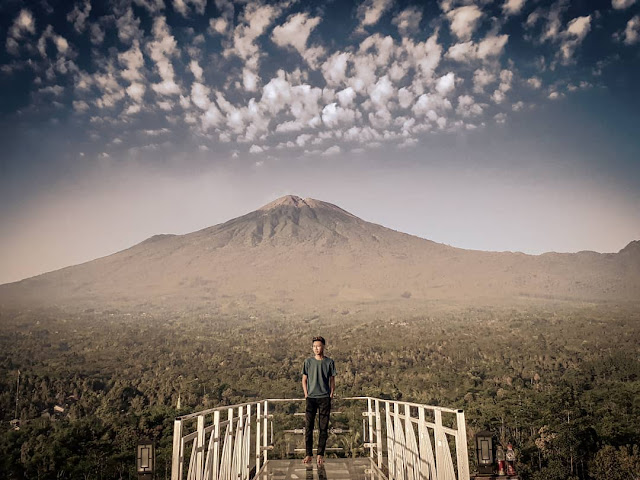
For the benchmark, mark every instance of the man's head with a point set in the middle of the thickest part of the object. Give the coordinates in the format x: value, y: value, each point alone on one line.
x: 318, y: 345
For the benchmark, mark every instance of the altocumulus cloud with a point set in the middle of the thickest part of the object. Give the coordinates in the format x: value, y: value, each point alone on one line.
x: 252, y: 77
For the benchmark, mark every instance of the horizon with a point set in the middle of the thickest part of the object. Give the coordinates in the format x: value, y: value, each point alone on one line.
x: 507, y: 126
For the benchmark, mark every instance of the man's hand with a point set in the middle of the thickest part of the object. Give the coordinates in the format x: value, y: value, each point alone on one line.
x: 304, y: 385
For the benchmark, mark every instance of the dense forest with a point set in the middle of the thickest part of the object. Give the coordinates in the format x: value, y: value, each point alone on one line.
x: 561, y: 383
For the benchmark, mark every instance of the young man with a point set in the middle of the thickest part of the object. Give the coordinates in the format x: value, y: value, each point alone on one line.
x: 318, y: 383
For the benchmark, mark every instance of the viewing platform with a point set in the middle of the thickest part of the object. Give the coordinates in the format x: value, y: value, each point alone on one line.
x: 369, y: 439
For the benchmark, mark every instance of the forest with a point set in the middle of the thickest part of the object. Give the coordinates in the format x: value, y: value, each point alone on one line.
x: 561, y: 382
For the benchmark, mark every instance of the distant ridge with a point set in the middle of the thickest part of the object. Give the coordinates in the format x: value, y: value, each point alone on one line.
x: 300, y: 254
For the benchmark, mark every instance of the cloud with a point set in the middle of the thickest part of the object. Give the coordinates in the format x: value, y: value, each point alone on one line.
x: 302, y: 140
x: 376, y: 87
x: 482, y: 78
x: 24, y: 23
x: 573, y: 36
x: 383, y: 46
x: 211, y: 118
x: 491, y: 46
x: 334, y: 69
x: 551, y: 18
x: 295, y: 33
x: 111, y: 91
x: 431, y: 105
x: 196, y: 69
x: 219, y: 25
x: 370, y: 11
x: 182, y: 6
x: 152, y: 6
x: 405, y: 97
x: 250, y: 80
x: 80, y: 106
x: 252, y: 24
x: 160, y: 49
x: 408, y: 21
x: 512, y: 7
x: 334, y: 115
x: 96, y: 34
x: 334, y: 150
x: 467, y: 107
x: 55, y: 90
x: 136, y: 91
x: 227, y: 13
x: 446, y: 84
x: 132, y: 61
x: 464, y: 21
x: 424, y: 57
x: 534, y: 82
x: 200, y: 95
x: 622, y: 4
x: 61, y: 43
x: 632, y: 31
x: 128, y: 27
x: 256, y: 149
x: 346, y: 97
x: 568, y: 38
x: 78, y: 16
x: 382, y: 92
x: 276, y: 94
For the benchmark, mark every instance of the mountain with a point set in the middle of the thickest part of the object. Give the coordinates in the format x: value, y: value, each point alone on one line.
x: 296, y: 255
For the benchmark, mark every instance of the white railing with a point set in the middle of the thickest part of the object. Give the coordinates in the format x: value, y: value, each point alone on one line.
x: 407, y: 441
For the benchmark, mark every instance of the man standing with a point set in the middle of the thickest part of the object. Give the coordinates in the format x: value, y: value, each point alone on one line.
x: 318, y: 383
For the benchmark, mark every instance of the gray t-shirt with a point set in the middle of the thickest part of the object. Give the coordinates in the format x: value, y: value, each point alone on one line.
x: 318, y: 373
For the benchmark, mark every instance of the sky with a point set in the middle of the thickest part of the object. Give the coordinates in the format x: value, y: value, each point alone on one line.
x: 502, y: 125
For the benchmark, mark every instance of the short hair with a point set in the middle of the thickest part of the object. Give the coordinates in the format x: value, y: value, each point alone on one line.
x: 319, y: 339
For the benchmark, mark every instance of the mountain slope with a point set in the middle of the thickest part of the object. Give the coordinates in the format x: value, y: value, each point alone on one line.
x: 305, y: 254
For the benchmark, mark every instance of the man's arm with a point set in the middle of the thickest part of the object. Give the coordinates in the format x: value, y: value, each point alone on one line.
x: 304, y: 385
x: 332, y: 385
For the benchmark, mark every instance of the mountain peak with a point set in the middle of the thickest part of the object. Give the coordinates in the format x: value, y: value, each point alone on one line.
x: 310, y: 205
x: 287, y: 200
x: 632, y: 248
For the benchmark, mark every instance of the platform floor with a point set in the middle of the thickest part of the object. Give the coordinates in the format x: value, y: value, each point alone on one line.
x: 334, y: 469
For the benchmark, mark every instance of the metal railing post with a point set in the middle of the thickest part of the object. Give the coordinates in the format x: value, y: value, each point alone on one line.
x: 422, y: 442
x: 264, y: 431
x: 238, y: 446
x: 461, y: 446
x: 258, y: 452
x: 199, y: 446
x: 439, y: 445
x: 378, y: 433
x: 176, y: 458
x: 247, y: 443
x: 370, y: 420
x: 216, y: 445
x: 391, y: 442
x: 409, y: 454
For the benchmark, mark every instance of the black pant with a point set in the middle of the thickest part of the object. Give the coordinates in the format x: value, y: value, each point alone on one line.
x: 323, y: 407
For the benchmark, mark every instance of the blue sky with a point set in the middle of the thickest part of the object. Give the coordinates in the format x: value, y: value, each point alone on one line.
x: 494, y: 125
